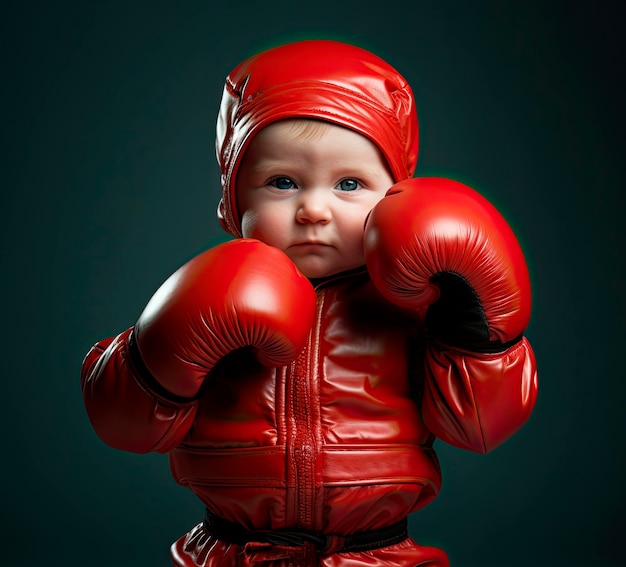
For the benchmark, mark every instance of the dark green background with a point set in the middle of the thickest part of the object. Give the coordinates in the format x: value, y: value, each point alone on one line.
x: 109, y: 183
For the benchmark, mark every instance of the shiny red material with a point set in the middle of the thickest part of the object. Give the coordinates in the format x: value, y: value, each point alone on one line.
x: 321, y: 79
x: 333, y: 442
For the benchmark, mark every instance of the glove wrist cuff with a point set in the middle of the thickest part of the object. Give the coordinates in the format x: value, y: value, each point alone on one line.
x: 145, y: 378
x: 479, y: 347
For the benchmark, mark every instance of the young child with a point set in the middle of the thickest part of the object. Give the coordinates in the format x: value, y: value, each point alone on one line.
x: 298, y: 374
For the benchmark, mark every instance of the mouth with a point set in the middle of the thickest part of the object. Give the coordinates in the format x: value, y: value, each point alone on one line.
x: 309, y: 247
x: 310, y: 243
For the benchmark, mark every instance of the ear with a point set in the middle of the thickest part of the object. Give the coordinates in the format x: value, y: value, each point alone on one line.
x: 225, y: 220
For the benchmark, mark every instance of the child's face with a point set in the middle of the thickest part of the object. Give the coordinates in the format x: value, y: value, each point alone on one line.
x: 309, y: 192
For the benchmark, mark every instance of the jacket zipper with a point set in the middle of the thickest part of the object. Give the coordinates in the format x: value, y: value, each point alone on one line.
x: 305, y: 491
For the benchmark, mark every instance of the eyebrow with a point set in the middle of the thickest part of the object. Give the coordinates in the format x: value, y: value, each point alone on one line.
x: 262, y: 166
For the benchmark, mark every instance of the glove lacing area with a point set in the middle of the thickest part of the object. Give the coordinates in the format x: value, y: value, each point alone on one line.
x: 458, y: 318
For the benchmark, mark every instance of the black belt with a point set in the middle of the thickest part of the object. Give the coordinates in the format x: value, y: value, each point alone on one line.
x: 361, y: 541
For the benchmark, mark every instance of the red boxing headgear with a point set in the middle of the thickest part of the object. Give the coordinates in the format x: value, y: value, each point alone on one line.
x: 321, y: 79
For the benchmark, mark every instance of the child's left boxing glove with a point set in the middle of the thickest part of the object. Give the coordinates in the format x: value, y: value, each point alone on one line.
x: 437, y: 246
x: 242, y: 293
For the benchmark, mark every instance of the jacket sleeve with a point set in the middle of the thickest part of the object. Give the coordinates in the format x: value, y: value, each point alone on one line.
x: 476, y: 401
x: 125, y: 405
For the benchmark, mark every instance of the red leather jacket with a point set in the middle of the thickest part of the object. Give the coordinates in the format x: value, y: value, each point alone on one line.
x: 338, y: 442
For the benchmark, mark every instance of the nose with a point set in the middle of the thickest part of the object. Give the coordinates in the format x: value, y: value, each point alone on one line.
x: 314, y: 207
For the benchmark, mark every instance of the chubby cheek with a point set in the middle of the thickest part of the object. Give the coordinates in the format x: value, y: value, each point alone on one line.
x: 357, y: 253
x: 354, y: 245
x: 260, y: 226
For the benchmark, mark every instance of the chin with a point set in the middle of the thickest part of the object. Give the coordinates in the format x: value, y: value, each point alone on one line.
x: 316, y: 266
x: 319, y: 272
x: 311, y: 271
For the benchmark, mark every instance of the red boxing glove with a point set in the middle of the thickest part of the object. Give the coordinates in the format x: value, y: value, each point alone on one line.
x: 435, y: 244
x: 242, y: 293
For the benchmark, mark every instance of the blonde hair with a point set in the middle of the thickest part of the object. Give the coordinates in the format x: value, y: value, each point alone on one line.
x: 307, y: 128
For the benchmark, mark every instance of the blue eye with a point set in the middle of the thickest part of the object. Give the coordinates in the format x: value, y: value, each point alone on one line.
x: 283, y: 183
x: 348, y: 185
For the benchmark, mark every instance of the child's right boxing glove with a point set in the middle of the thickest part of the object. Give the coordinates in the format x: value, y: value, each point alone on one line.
x: 435, y: 244
x: 242, y: 293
